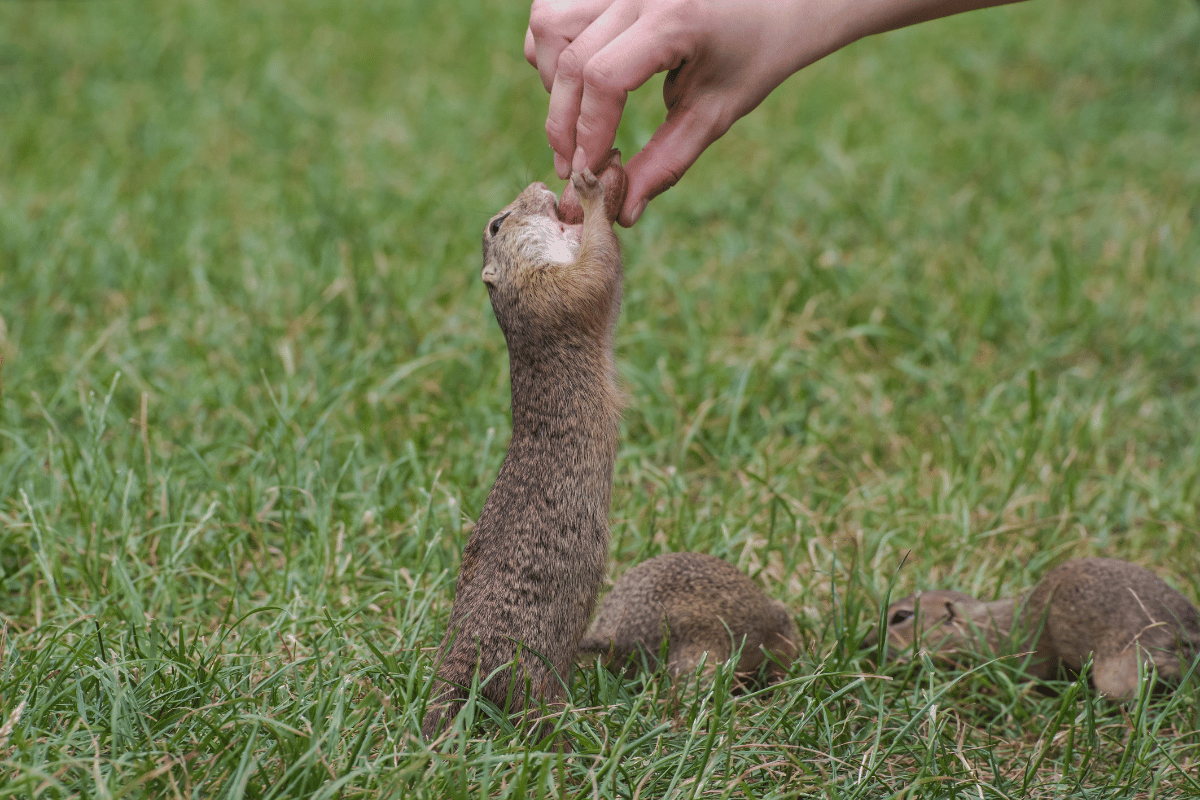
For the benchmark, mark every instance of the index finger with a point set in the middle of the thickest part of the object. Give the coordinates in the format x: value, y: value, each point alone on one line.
x: 624, y: 64
x: 570, y: 75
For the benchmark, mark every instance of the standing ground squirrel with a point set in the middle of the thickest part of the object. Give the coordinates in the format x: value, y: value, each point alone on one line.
x: 1099, y: 608
x: 700, y: 604
x: 533, y: 565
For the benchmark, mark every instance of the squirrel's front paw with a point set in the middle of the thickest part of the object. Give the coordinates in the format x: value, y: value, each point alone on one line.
x: 588, y: 188
x: 585, y: 188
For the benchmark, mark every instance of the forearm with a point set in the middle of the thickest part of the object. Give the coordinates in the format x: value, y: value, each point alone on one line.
x: 861, y: 18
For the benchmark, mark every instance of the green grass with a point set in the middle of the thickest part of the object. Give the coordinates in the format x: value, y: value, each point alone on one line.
x: 938, y: 298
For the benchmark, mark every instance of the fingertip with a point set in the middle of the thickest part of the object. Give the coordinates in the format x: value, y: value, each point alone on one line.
x: 562, y: 168
x: 637, y: 212
x: 636, y: 197
x: 649, y: 177
x: 646, y: 182
x: 629, y: 217
x: 579, y: 161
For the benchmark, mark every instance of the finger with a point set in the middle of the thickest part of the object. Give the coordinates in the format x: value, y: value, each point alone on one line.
x: 624, y: 64
x: 546, y: 52
x: 675, y: 146
x: 560, y: 122
x: 553, y: 24
x: 530, y: 48
x: 567, y: 91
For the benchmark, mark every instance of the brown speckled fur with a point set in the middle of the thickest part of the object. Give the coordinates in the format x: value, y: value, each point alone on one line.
x: 533, y: 565
x: 1111, y: 611
x: 701, y: 604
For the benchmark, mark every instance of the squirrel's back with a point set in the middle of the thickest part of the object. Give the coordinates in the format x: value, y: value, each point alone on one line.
x: 700, y: 605
x: 1119, y: 616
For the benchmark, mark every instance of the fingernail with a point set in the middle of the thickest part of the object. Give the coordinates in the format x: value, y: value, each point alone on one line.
x: 579, y: 163
x: 561, y: 167
x: 637, y: 212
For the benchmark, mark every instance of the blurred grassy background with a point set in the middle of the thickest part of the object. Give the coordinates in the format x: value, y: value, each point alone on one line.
x: 938, y: 297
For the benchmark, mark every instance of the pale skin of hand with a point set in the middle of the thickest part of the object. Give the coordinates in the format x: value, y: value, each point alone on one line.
x: 722, y: 58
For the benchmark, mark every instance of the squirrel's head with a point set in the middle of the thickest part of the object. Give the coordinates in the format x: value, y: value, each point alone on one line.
x: 535, y: 277
x: 939, y: 621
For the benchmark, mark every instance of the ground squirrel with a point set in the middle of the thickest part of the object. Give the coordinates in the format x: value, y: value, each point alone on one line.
x: 700, y: 604
x: 1099, y: 608
x: 532, y: 567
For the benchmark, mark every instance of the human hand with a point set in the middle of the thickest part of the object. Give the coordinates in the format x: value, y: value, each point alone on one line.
x: 721, y: 58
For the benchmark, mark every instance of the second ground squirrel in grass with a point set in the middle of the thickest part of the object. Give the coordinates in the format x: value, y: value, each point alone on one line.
x: 699, y: 605
x: 1112, y: 612
x: 532, y: 567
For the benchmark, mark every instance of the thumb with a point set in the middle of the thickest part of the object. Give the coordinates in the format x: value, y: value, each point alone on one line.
x: 684, y: 135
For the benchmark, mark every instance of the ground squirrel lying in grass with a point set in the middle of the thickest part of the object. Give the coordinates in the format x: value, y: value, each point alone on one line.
x: 533, y: 565
x: 1111, y: 611
x: 699, y: 604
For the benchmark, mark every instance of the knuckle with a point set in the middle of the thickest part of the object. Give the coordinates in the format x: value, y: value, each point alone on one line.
x: 547, y: 17
x: 571, y: 63
x: 599, y: 76
x: 682, y: 15
x: 668, y: 177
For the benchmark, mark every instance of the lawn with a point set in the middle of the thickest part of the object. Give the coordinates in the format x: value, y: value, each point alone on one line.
x: 930, y: 317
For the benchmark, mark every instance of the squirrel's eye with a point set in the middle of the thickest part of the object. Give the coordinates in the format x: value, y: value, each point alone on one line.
x: 900, y: 616
x: 494, y: 228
